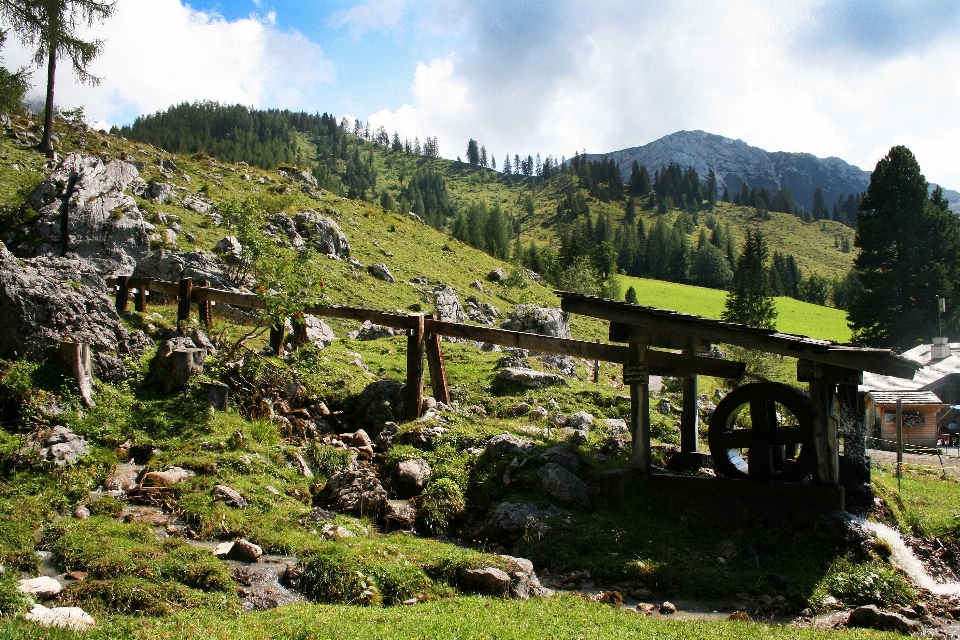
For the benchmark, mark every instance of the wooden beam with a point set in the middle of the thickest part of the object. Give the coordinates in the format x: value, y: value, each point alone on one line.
x: 661, y: 363
x: 808, y: 370
x: 823, y: 397
x: 620, y: 332
x: 205, y: 307
x: 123, y: 293
x: 880, y: 361
x: 640, y: 457
x: 140, y: 299
x: 438, y: 368
x: 413, y: 403
x: 183, y: 299
x: 689, y: 415
x: 393, y: 320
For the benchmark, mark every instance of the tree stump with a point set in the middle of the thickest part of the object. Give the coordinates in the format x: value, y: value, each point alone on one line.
x: 218, y: 395
x: 77, y: 357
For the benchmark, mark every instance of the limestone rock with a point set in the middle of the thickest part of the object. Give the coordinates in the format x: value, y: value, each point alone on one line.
x: 562, y: 486
x: 317, y: 332
x: 323, y: 233
x: 379, y: 399
x: 229, y: 495
x: 84, y: 209
x: 409, y: 477
x: 178, y: 359
x: 123, y: 478
x: 507, y: 444
x: 399, y: 514
x: 159, y: 192
x: 486, y: 580
x: 173, y: 266
x: 512, y: 519
x: 497, y: 275
x: 533, y: 319
x: 245, y: 551
x: 560, y: 455
x: 229, y: 249
x: 45, y: 301
x: 44, y: 587
x: 524, y: 583
x: 59, y: 446
x: 164, y: 479
x: 64, y: 617
x: 870, y: 617
x: 530, y: 378
x: 448, y: 304
x: 356, y: 491
x: 380, y: 271
x: 370, y: 331
x: 332, y: 531
x: 580, y: 421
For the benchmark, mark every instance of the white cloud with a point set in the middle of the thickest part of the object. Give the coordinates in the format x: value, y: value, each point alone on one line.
x: 160, y: 52
x: 374, y: 15
x: 559, y: 77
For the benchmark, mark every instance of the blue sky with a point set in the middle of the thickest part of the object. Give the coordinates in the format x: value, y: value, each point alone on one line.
x: 845, y: 78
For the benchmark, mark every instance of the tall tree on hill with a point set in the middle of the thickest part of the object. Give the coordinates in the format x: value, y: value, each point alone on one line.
x: 473, y: 152
x: 51, y: 27
x: 749, y: 300
x: 820, y: 210
x: 909, y: 245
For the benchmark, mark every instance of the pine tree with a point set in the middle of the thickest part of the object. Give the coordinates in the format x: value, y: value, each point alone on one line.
x: 820, y: 210
x: 749, y: 300
x: 473, y: 152
x: 909, y: 245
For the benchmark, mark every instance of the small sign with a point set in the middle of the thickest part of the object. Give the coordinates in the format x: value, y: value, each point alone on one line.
x: 635, y: 374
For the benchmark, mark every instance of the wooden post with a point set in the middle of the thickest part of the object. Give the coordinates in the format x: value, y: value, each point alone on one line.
x: 276, y: 340
x: 205, y: 307
x: 899, y: 441
x: 77, y: 357
x: 637, y: 376
x: 438, y: 369
x: 123, y: 293
x: 183, y: 299
x: 413, y: 403
x: 689, y: 416
x: 140, y: 300
x: 596, y: 370
x: 823, y: 397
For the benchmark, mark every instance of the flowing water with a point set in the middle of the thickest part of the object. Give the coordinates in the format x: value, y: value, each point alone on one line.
x: 903, y: 558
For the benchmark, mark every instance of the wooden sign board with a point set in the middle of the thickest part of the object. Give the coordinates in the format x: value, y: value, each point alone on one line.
x: 635, y: 374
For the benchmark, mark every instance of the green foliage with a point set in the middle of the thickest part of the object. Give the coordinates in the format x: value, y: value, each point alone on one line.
x: 12, y: 601
x: 327, y: 460
x: 440, y: 502
x: 581, y: 277
x: 865, y: 583
x: 710, y: 268
x: 106, y: 506
x: 750, y: 301
x: 631, y: 296
x: 13, y: 84
x: 333, y: 574
x: 909, y: 245
x: 131, y: 595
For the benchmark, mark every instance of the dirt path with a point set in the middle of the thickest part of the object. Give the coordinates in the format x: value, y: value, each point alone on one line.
x: 951, y: 463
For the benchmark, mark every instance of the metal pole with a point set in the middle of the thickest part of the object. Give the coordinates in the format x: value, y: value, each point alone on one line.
x: 899, y: 442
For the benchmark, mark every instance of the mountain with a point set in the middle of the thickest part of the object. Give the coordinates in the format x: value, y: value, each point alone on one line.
x: 735, y: 162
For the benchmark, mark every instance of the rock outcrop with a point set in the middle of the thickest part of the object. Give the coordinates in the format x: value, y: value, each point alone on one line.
x: 173, y: 266
x: 323, y: 233
x: 533, y: 319
x: 44, y: 301
x: 85, y: 210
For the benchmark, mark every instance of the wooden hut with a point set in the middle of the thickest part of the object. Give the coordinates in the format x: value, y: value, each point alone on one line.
x: 920, y: 411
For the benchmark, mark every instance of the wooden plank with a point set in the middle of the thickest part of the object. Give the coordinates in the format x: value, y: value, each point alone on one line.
x: 822, y: 397
x: 413, y: 403
x: 248, y: 300
x: 620, y: 332
x: 660, y: 363
x: 205, y: 307
x: 808, y: 370
x: 640, y: 457
x: 438, y: 368
x: 880, y: 361
x: 183, y: 299
x: 140, y: 299
x: 689, y: 415
x: 393, y: 320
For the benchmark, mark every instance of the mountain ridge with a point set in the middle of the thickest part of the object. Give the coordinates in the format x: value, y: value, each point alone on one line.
x: 735, y: 162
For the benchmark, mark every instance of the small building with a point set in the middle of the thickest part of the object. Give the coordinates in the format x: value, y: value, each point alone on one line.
x: 921, y: 412
x: 926, y: 398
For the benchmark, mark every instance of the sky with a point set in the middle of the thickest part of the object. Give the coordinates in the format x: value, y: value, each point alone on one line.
x: 844, y: 78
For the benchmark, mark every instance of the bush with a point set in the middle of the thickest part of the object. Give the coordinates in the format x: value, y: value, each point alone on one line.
x: 334, y: 574
x: 631, y: 296
x: 328, y: 460
x: 861, y: 584
x: 12, y: 601
x: 440, y: 503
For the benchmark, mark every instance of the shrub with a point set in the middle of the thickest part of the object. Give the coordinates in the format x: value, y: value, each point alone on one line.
x: 12, y: 601
x: 334, y: 574
x: 440, y: 503
x: 861, y: 584
x: 328, y: 460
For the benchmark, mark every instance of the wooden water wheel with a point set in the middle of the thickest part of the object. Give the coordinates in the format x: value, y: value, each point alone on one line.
x: 772, y: 442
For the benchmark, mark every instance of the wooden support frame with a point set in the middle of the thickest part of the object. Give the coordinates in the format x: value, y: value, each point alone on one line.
x: 437, y: 366
x: 123, y: 293
x: 823, y: 397
x: 637, y: 375
x: 205, y: 307
x: 413, y: 401
x: 689, y: 416
x: 140, y: 299
x: 183, y: 299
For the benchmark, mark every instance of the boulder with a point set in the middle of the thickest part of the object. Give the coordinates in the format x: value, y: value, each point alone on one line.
x: 244, y: 551
x: 73, y: 618
x: 380, y: 271
x: 159, y: 192
x: 486, y: 580
x: 123, y: 478
x: 507, y: 444
x: 448, y: 304
x: 533, y: 319
x: 60, y: 446
x: 317, y: 332
x: 409, y: 477
x: 356, y: 491
x: 370, y: 331
x: 323, y: 233
x: 332, y: 531
x: 562, y: 486
x: 85, y: 210
x: 43, y: 588
x: 870, y: 617
x: 230, y: 496
x: 165, y: 479
x: 178, y: 359
x: 173, y: 266
x: 580, y: 421
x: 197, y: 204
x: 399, y: 514
x: 497, y: 275
x: 616, y: 426
x: 379, y: 399
x: 525, y: 583
x: 561, y: 456
x: 513, y: 519
x: 530, y: 378
x: 229, y: 249
x: 45, y: 301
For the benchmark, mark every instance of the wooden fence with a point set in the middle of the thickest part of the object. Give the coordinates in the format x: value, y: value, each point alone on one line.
x: 423, y: 336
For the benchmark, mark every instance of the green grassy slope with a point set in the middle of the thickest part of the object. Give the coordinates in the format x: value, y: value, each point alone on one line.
x: 795, y: 316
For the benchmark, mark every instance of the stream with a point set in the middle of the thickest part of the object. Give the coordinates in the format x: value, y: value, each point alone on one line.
x: 903, y: 558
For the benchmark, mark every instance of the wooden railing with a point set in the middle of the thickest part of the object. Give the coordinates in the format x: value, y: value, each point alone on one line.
x: 423, y: 335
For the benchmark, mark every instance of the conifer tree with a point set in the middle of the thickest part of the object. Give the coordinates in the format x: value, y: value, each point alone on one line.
x: 749, y: 300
